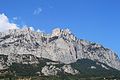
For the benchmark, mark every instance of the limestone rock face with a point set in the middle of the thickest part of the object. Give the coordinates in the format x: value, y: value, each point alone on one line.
x: 53, y: 70
x: 61, y: 46
x: 50, y: 70
x: 68, y: 69
x: 22, y: 58
x: 93, y: 67
x: 3, y: 64
x: 56, y: 32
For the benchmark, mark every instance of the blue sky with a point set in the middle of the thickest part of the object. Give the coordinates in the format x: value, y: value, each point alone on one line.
x: 93, y: 20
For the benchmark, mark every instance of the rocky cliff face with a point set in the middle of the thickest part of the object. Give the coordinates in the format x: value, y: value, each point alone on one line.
x: 61, y: 46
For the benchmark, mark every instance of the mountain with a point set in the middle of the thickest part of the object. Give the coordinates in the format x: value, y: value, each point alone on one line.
x: 25, y: 52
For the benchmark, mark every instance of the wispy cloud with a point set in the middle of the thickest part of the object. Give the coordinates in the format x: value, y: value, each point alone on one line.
x: 15, y: 18
x: 5, y: 24
x: 37, y: 11
x: 38, y: 30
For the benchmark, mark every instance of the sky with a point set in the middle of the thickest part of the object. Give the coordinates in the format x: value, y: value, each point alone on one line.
x: 94, y: 20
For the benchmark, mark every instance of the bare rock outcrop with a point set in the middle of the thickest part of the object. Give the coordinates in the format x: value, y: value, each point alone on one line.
x: 3, y: 62
x: 50, y: 70
x: 68, y: 69
x: 22, y: 58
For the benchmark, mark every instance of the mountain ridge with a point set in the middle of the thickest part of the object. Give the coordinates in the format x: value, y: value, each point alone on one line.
x: 61, y: 46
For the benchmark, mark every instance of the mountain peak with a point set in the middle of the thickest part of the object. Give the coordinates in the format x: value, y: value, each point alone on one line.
x: 66, y: 33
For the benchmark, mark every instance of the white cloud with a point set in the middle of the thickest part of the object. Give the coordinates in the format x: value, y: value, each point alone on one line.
x: 5, y: 24
x: 15, y: 18
x: 37, y: 11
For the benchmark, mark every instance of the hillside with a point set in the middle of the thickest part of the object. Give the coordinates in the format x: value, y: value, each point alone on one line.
x: 24, y: 52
